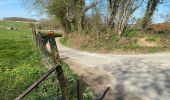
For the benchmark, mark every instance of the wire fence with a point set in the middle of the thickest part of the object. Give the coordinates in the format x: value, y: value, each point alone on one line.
x: 53, y: 62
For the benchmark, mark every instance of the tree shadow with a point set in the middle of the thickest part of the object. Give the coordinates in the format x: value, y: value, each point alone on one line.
x: 141, y: 78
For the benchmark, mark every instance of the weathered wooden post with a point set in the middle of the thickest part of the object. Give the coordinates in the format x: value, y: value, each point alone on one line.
x: 79, y: 89
x: 59, y: 70
x: 54, y: 49
x: 33, y: 32
x: 36, y: 38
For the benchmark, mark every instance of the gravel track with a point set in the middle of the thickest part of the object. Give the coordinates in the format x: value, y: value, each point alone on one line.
x: 130, y: 77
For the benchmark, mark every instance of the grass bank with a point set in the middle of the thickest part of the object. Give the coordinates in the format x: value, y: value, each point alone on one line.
x: 132, y: 42
x: 21, y: 66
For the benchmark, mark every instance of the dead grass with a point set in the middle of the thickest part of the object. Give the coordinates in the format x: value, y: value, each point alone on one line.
x: 143, y: 42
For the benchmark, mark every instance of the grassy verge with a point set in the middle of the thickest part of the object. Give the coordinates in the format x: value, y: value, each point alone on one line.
x: 21, y: 66
x: 133, y: 41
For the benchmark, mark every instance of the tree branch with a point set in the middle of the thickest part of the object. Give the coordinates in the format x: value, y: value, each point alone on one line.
x: 139, y: 4
x: 91, y: 5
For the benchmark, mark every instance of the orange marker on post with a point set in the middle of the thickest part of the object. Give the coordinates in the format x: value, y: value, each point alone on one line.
x: 50, y: 33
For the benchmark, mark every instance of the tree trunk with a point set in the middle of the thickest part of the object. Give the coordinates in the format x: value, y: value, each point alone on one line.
x: 125, y: 9
x: 124, y: 15
x: 81, y: 14
x: 112, y: 10
x: 151, y: 7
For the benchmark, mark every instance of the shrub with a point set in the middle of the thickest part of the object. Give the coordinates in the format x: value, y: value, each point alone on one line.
x: 130, y: 32
x: 153, y: 38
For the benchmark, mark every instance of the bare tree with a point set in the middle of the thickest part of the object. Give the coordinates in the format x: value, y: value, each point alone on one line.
x: 125, y: 9
x: 73, y: 13
x: 113, y: 5
x: 151, y: 7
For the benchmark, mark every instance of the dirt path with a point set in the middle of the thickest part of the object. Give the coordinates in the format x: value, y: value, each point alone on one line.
x: 131, y: 77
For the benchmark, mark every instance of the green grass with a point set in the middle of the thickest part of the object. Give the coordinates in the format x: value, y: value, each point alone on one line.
x: 21, y: 66
x: 63, y: 40
x: 130, y: 42
x: 153, y: 38
x: 19, y: 25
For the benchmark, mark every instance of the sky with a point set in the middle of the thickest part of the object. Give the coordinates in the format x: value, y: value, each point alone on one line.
x: 15, y: 8
x: 161, y: 11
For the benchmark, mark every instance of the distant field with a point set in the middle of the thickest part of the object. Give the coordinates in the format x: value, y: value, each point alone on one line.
x: 19, y: 25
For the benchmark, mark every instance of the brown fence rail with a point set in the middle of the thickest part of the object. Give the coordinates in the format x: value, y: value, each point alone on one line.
x: 33, y: 86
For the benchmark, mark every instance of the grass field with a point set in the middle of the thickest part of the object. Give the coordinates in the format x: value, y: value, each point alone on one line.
x: 19, y: 25
x: 20, y: 66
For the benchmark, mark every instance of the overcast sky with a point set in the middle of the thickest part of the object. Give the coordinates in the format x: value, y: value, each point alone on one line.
x: 15, y: 8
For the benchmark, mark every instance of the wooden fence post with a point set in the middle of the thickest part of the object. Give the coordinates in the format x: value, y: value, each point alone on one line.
x: 56, y: 59
x: 59, y: 70
x: 34, y: 33
x: 54, y: 49
x: 79, y: 89
x: 61, y: 79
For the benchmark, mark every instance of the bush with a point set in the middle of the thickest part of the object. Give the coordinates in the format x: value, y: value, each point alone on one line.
x: 130, y: 32
x: 153, y: 38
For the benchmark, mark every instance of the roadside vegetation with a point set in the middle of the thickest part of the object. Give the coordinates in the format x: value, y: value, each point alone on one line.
x: 108, y: 25
x: 132, y: 42
x: 21, y: 66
